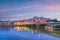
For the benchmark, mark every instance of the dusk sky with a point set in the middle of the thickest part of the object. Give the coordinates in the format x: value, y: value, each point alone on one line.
x: 25, y: 9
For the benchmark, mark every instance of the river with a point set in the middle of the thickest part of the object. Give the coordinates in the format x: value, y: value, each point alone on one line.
x: 24, y: 33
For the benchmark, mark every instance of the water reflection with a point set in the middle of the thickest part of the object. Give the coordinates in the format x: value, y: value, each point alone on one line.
x: 5, y: 28
x: 28, y: 28
x: 24, y: 33
x: 21, y: 28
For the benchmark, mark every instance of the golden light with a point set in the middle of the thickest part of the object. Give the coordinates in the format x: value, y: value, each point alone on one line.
x: 21, y: 28
x: 20, y: 23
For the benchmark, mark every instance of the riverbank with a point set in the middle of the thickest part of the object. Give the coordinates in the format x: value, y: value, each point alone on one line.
x: 56, y: 33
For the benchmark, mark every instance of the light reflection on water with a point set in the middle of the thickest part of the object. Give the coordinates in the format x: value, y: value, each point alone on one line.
x: 24, y: 33
x: 21, y: 28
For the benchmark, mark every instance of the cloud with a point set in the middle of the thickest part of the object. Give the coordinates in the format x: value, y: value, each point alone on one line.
x: 52, y: 8
x: 2, y: 12
x: 54, y: 1
x: 57, y: 16
x: 18, y: 8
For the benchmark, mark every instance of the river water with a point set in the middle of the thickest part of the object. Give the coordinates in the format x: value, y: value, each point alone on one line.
x: 24, y: 33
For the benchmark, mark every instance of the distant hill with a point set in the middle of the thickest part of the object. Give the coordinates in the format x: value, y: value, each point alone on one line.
x: 45, y: 19
x: 40, y: 18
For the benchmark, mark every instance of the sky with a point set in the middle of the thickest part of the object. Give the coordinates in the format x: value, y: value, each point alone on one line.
x: 25, y: 9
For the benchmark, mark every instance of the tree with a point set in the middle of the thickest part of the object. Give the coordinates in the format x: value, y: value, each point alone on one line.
x: 55, y: 20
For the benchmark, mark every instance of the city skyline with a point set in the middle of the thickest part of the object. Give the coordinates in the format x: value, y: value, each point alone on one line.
x: 24, y: 9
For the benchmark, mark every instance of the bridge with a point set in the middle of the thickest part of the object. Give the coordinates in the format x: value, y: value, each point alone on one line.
x: 48, y: 25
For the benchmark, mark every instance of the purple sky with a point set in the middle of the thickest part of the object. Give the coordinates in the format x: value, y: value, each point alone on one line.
x: 24, y: 9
